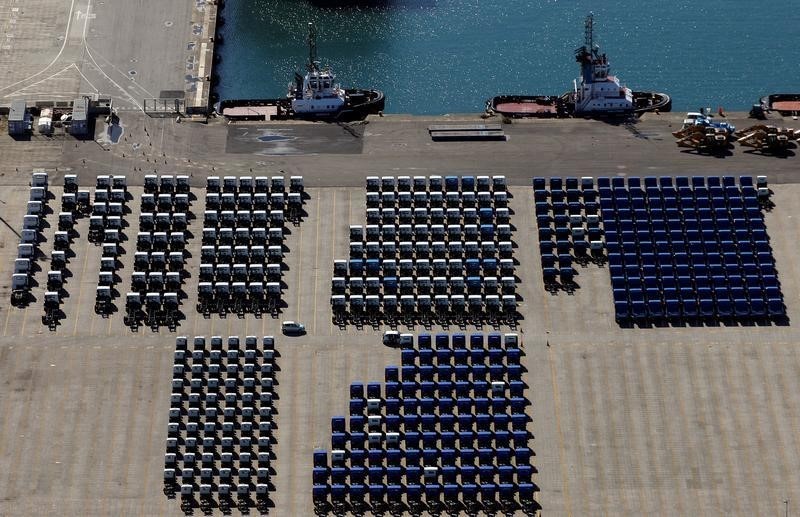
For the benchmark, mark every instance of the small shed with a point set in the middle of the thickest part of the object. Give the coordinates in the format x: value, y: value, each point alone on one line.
x: 19, y: 120
x: 80, y: 117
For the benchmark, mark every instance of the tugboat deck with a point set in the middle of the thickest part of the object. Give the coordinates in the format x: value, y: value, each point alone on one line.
x: 526, y: 107
x: 786, y: 105
x: 267, y: 112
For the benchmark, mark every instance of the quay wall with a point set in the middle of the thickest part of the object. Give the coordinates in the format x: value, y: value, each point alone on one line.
x: 199, y: 101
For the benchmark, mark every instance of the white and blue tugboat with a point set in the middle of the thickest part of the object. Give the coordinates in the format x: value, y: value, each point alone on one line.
x: 596, y: 93
x: 315, y: 96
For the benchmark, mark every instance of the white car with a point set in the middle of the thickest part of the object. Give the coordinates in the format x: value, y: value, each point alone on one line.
x: 293, y: 327
x: 391, y: 338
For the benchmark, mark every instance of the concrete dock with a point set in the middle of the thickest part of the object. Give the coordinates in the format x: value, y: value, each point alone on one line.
x: 689, y: 420
x: 57, y: 51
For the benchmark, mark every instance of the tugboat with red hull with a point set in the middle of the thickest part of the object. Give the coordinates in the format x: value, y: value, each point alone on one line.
x: 596, y: 93
x: 314, y: 96
x: 786, y: 104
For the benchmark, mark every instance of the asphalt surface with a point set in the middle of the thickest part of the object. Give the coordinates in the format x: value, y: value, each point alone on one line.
x: 622, y: 419
x: 690, y: 420
x: 294, y: 139
x: 334, y: 155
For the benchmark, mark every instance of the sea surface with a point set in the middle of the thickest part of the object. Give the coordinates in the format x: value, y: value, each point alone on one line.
x: 449, y: 56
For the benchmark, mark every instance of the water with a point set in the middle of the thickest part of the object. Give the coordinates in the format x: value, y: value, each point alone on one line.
x: 449, y: 56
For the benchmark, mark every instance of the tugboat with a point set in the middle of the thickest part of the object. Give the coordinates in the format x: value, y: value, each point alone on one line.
x: 786, y: 104
x: 315, y: 96
x: 596, y: 93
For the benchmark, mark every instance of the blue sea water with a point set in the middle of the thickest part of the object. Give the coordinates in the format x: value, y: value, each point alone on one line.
x: 449, y: 56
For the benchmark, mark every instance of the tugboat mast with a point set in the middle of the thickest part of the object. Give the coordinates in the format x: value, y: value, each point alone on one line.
x: 588, y: 32
x: 587, y: 54
x: 313, y: 64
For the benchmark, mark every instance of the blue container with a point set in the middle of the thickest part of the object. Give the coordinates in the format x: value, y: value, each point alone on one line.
x: 448, y: 439
x: 357, y: 423
x: 522, y: 455
x: 373, y: 266
x: 338, y: 424
x: 426, y: 357
x: 392, y: 390
x: 524, y: 472
x: 432, y: 492
x: 320, y: 492
x: 500, y: 422
x: 468, y: 183
x: 465, y: 420
x: 375, y: 458
x: 321, y: 458
x: 377, y: 493
x: 357, y: 457
x: 520, y: 437
x: 339, y: 475
x: 427, y: 388
x: 506, y: 474
x: 357, y: 439
x: 374, y: 390
x: 394, y: 474
x: 413, y: 474
x: 469, y: 491
x: 449, y: 473
x: 358, y: 492
x: 320, y: 475
x: 430, y: 456
x: 444, y: 389
x: 358, y: 474
x: 390, y: 284
x: 451, y: 183
x: 392, y: 421
x: 394, y: 457
x: 427, y: 405
x: 526, y: 491
x: 413, y: 456
x: 394, y: 492
x: 488, y: 492
x: 463, y: 388
x: 338, y: 492
x: 357, y: 406
x: 424, y: 341
x: 519, y: 422
x: 338, y: 440
x: 391, y: 373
